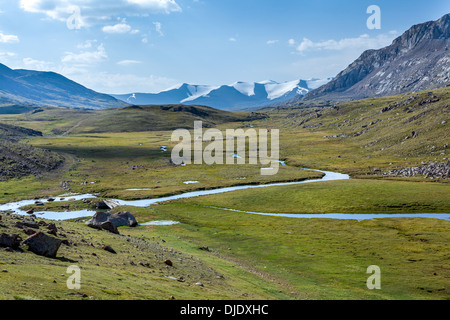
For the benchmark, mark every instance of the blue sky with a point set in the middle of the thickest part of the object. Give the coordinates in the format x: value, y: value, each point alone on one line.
x: 124, y: 46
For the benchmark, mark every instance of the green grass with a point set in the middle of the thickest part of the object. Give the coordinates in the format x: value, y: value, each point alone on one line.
x: 248, y: 257
x: 128, y: 119
x: 259, y: 257
x: 346, y: 196
x: 367, y: 138
x: 322, y: 258
x: 121, y: 161
x: 106, y: 276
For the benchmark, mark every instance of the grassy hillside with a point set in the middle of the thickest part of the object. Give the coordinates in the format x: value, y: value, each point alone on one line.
x: 62, y: 121
x: 368, y: 137
x: 18, y: 159
x: 220, y: 255
x: 237, y: 255
x: 136, y: 271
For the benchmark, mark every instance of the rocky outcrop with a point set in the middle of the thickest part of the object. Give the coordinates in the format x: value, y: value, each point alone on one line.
x: 43, y: 245
x: 109, y: 226
x: 121, y: 219
x: 417, y: 60
x: 10, y: 240
x: 106, y: 204
x: 432, y: 170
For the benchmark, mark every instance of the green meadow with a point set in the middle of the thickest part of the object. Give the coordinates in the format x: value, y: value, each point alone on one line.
x: 237, y: 255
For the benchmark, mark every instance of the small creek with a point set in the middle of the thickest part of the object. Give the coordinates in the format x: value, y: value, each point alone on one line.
x: 14, y: 207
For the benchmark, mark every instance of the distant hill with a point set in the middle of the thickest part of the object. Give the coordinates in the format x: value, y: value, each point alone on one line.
x: 30, y: 88
x: 136, y: 118
x: 238, y: 96
x: 417, y: 60
x: 394, y: 131
x: 18, y: 159
x: 158, y: 118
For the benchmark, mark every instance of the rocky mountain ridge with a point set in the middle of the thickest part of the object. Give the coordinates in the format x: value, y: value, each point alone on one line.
x: 417, y: 60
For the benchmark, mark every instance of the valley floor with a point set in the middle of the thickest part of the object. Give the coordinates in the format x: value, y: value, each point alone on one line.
x: 221, y: 254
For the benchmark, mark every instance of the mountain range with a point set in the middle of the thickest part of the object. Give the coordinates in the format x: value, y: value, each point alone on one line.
x: 31, y: 88
x: 239, y: 95
x: 417, y: 60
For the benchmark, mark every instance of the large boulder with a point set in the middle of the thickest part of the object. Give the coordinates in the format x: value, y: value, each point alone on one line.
x: 109, y: 226
x: 10, y: 240
x: 107, y: 204
x: 102, y: 206
x: 121, y: 219
x: 43, y: 245
x: 27, y: 224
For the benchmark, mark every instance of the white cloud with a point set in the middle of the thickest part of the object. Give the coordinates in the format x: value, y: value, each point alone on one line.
x: 362, y: 42
x: 98, y: 11
x: 7, y: 38
x: 119, y: 83
x: 119, y: 28
x: 291, y: 42
x: 85, y: 13
x: 37, y: 64
x: 166, y: 6
x: 128, y: 62
x: 232, y: 39
x: 7, y: 54
x: 270, y: 42
x: 87, y: 44
x: 86, y: 57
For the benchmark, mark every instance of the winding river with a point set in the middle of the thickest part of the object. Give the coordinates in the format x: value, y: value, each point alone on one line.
x: 14, y: 207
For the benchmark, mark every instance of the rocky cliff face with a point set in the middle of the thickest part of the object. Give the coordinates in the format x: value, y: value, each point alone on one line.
x: 417, y: 60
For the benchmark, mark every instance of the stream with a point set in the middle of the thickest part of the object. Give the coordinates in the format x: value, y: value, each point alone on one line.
x: 14, y: 207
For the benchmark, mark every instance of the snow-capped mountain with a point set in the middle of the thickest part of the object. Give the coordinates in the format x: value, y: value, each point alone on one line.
x: 239, y: 95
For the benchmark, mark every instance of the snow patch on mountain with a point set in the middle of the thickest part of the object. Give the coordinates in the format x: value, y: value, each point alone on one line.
x: 197, y: 91
x: 277, y: 90
x: 245, y: 88
x: 239, y: 95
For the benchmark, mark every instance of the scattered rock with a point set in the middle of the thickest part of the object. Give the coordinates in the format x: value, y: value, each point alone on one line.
x: 27, y: 224
x: 109, y: 249
x: 52, y: 228
x: 65, y: 185
x: 42, y: 223
x: 10, y: 240
x: 78, y: 294
x: 169, y: 263
x: 431, y: 170
x: 43, y: 245
x: 29, y: 231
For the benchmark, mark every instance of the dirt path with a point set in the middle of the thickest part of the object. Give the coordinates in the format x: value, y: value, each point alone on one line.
x: 79, y: 123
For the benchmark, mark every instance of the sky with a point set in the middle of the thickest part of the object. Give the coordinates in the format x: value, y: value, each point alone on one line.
x: 127, y: 46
